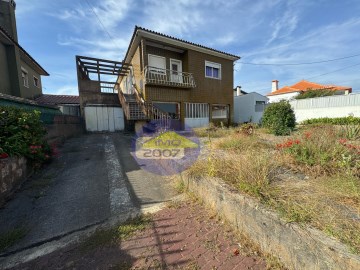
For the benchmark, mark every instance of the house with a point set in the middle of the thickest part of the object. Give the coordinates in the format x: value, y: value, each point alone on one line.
x: 238, y: 91
x: 249, y: 107
x: 160, y: 78
x: 69, y: 105
x: 290, y: 92
x: 20, y: 74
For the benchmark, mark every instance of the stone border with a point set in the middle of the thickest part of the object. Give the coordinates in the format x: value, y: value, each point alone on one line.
x: 297, y: 247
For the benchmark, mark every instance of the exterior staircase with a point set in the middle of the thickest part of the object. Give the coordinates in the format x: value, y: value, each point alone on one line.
x: 137, y: 109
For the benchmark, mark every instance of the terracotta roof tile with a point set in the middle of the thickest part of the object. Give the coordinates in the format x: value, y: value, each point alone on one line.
x: 303, y: 86
x: 58, y: 99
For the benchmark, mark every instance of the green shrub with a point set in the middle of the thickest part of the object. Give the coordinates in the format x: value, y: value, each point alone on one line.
x: 279, y: 118
x: 313, y: 93
x: 22, y: 134
x: 349, y: 120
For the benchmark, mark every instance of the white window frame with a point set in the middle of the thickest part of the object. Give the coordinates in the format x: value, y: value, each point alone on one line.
x: 26, y: 77
x: 34, y: 77
x: 156, y: 69
x: 213, y: 65
x: 220, y: 116
x: 197, y: 110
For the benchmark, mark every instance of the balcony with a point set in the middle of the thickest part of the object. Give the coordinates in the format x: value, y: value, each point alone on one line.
x: 167, y: 77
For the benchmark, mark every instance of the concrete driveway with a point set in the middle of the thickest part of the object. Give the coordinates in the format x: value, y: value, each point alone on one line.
x: 93, y: 179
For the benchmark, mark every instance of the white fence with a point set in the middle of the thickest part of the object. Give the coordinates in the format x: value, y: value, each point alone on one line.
x: 332, y: 106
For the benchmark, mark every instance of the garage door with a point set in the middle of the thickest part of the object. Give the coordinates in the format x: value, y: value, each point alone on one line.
x: 100, y: 118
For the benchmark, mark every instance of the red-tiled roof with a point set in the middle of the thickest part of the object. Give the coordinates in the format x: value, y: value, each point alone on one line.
x: 303, y: 86
x: 58, y: 99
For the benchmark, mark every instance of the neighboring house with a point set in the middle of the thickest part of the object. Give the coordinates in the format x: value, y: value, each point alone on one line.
x: 249, y: 107
x: 290, y: 92
x: 238, y: 91
x: 69, y: 105
x: 20, y: 74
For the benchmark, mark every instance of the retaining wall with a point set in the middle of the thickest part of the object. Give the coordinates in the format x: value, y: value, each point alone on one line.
x: 13, y: 172
x: 297, y: 247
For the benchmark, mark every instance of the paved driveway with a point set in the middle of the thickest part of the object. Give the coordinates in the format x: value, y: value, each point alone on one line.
x: 93, y: 179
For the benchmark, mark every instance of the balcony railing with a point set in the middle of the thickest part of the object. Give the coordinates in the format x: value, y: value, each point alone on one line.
x: 168, y: 77
x: 109, y: 87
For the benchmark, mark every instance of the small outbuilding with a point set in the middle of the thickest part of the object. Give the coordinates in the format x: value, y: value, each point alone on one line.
x: 249, y: 107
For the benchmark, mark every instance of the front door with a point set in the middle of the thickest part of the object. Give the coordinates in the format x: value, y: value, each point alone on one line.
x: 176, y: 70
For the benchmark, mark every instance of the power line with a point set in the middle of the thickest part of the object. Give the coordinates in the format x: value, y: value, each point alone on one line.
x: 358, y: 64
x: 298, y: 64
x: 102, y: 25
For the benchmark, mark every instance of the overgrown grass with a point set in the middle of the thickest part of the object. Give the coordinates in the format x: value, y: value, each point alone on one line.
x: 328, y: 197
x: 11, y: 237
x: 124, y: 231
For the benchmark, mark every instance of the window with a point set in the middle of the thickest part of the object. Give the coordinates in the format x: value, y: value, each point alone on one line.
x: 157, y: 64
x: 36, y: 82
x: 212, y: 70
x: 25, y: 77
x: 258, y: 102
x: 196, y: 110
x: 220, y: 111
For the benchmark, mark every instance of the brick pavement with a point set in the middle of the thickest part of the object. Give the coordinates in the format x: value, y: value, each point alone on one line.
x: 182, y: 237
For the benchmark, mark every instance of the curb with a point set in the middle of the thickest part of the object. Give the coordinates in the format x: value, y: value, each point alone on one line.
x: 296, y: 247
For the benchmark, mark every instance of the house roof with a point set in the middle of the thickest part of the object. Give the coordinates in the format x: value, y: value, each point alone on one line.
x: 32, y: 61
x: 304, y: 85
x: 57, y: 99
x: 140, y: 31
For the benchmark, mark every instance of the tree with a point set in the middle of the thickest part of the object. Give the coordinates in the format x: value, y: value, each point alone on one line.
x: 279, y: 118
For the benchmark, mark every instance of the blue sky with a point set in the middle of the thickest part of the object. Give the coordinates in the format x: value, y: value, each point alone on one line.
x: 276, y: 31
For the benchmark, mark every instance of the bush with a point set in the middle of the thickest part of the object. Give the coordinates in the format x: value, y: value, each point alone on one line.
x: 310, y: 93
x: 22, y: 134
x: 279, y: 118
x: 349, y: 120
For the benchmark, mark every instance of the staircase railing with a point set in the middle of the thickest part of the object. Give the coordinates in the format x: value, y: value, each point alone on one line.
x: 155, y: 114
x: 124, y: 104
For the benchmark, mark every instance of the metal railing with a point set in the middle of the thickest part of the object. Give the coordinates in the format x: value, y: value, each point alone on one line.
x: 109, y: 87
x: 168, y: 77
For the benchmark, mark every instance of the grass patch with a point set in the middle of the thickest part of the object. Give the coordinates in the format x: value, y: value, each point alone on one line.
x: 11, y: 237
x: 103, y: 237
x: 327, y: 197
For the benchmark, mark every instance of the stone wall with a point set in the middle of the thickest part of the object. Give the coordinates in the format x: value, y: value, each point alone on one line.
x: 297, y: 247
x: 13, y: 172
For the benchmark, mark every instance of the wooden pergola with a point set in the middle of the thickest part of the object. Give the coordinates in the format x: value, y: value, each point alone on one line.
x: 98, y: 66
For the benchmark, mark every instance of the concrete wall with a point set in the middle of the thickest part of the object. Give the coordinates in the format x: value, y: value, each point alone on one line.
x: 5, y: 85
x: 298, y: 247
x: 90, y: 93
x: 244, y: 108
x: 277, y: 98
x: 13, y: 172
x: 332, y: 107
x: 65, y: 126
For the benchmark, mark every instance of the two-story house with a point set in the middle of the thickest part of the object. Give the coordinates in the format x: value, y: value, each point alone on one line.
x: 190, y: 82
x: 160, y: 78
x: 20, y: 74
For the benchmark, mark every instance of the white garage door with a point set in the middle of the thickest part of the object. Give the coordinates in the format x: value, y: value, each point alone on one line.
x: 98, y: 118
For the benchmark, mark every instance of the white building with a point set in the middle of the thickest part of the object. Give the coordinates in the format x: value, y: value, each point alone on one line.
x: 290, y: 92
x: 249, y: 107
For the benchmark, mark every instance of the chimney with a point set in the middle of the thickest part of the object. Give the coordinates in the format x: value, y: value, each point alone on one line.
x: 238, y: 90
x: 7, y: 17
x: 274, y: 86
